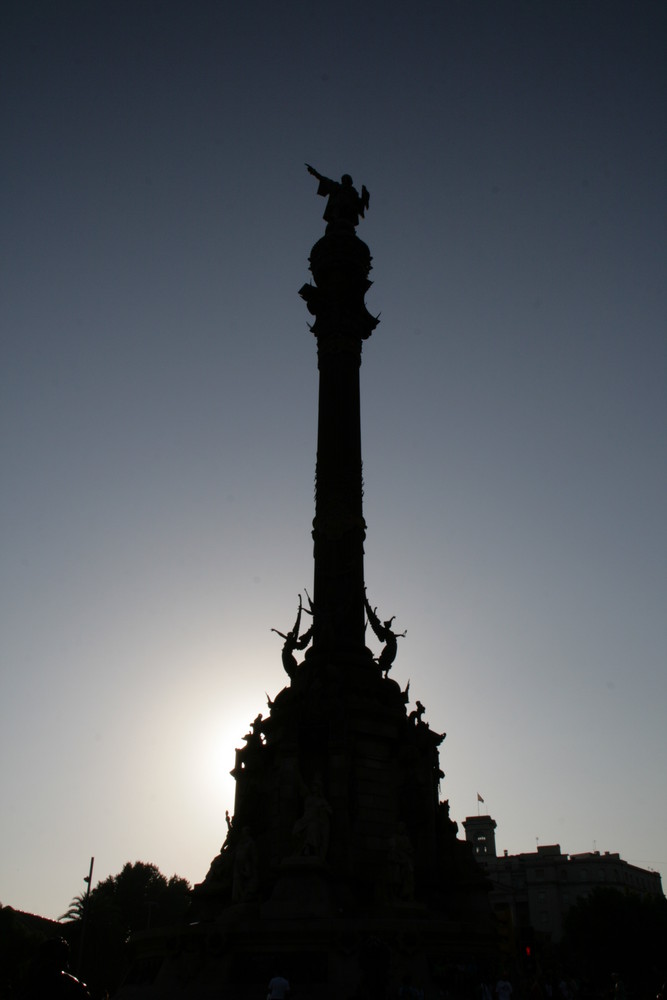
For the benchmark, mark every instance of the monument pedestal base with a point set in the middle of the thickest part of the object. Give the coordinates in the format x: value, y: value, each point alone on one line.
x: 325, y: 957
x: 302, y: 891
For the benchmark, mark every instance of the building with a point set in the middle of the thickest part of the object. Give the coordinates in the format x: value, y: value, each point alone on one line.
x: 534, y: 890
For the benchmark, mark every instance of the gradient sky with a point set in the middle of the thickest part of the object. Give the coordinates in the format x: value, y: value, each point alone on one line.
x: 159, y: 401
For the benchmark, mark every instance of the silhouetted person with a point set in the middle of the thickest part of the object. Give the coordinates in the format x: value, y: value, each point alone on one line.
x: 344, y: 205
x: 408, y: 991
x: 279, y: 988
x: 617, y: 987
x: 50, y: 979
x: 504, y: 988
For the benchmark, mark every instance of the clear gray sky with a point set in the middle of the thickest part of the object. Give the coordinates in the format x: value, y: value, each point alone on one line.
x: 159, y: 399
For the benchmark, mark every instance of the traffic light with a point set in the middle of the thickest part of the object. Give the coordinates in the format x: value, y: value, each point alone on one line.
x: 528, y: 948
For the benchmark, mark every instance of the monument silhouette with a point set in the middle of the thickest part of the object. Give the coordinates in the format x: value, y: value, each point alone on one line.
x: 341, y: 869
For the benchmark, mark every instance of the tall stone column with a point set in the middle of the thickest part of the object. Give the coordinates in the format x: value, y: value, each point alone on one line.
x: 340, y: 263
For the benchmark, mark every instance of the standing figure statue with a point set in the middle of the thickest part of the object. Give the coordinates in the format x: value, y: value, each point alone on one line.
x: 401, y: 865
x: 245, y: 872
x: 293, y: 641
x: 311, y: 831
x: 385, y: 634
x: 416, y: 714
x: 345, y: 205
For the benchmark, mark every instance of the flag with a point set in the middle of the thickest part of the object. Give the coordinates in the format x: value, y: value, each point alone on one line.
x: 479, y: 797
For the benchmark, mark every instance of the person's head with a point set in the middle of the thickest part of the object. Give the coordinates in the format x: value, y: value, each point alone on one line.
x: 346, y: 180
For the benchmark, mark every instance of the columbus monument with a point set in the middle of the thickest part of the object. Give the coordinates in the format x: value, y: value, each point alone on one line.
x: 341, y: 869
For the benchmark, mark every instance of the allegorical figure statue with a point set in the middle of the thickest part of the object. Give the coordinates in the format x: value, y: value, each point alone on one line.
x: 293, y: 641
x: 416, y: 714
x: 401, y: 865
x: 245, y: 873
x: 384, y: 633
x: 312, y: 829
x: 344, y: 205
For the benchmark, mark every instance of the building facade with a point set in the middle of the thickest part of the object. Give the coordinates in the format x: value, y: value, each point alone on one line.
x: 534, y: 890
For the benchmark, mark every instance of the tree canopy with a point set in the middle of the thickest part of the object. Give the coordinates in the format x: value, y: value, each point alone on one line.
x: 138, y: 898
x: 617, y: 932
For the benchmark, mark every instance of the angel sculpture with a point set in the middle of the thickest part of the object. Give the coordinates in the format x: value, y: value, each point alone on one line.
x: 385, y: 634
x: 294, y: 641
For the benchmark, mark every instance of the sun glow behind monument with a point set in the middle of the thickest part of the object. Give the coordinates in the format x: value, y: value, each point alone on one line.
x: 212, y: 757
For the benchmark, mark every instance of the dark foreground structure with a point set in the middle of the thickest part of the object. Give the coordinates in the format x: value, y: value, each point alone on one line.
x: 341, y: 869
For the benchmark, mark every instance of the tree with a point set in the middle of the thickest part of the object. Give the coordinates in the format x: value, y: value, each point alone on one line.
x: 613, y: 931
x: 140, y: 897
x: 76, y: 908
x: 137, y: 898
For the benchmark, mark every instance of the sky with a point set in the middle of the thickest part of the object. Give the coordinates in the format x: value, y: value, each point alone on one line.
x: 159, y: 406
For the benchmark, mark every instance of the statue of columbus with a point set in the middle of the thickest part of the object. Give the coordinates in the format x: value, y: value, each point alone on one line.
x: 345, y: 205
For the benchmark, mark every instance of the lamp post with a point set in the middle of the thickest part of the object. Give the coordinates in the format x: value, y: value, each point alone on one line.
x: 88, y: 879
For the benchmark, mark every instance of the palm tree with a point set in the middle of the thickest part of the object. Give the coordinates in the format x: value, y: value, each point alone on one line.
x: 77, y: 908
